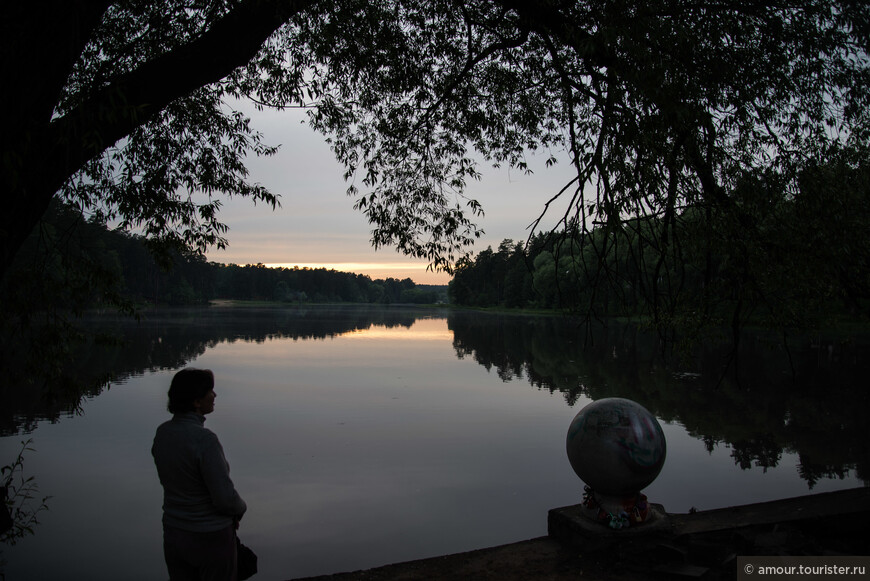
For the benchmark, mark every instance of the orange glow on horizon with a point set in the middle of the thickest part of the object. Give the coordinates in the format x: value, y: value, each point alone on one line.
x: 375, y: 270
x: 421, y: 330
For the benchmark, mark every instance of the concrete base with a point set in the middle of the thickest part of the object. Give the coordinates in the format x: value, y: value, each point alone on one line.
x: 841, y: 510
x: 572, y: 525
x: 704, y: 544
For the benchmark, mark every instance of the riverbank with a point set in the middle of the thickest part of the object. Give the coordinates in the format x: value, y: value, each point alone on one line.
x: 700, y: 545
x: 542, y: 558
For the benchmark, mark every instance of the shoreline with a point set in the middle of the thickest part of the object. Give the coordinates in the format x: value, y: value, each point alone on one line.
x: 537, y: 558
x: 704, y: 544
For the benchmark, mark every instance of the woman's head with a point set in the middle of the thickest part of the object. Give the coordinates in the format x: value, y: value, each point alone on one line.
x: 188, y: 386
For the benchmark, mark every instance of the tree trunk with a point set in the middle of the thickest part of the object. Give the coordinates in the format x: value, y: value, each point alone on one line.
x: 38, y: 154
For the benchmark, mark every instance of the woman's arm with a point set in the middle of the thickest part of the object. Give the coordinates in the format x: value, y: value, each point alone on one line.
x: 216, y: 473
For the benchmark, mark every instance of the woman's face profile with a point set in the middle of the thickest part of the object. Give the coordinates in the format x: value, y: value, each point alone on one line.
x: 205, y: 404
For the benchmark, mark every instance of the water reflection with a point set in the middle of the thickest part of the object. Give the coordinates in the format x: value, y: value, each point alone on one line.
x: 361, y: 437
x: 808, y: 399
x: 168, y: 339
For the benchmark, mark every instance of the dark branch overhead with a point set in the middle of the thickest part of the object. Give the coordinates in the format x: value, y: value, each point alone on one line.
x: 48, y: 151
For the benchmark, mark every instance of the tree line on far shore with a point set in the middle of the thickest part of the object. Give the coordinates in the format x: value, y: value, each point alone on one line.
x: 72, y: 264
x: 797, y: 258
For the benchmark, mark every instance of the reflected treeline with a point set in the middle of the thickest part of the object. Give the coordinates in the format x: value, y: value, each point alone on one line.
x: 807, y: 396
x: 119, y: 347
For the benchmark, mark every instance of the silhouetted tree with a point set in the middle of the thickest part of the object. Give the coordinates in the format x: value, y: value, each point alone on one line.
x: 665, y: 110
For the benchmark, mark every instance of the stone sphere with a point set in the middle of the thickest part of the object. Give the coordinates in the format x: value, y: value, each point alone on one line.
x: 616, y: 446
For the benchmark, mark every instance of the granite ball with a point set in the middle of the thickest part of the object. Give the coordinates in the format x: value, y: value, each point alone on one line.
x: 616, y: 446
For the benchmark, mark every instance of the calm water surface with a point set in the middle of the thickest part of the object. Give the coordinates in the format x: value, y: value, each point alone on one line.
x: 361, y: 437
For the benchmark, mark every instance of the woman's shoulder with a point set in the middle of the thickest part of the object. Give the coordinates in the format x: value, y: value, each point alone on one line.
x: 185, y: 425
x: 192, y: 436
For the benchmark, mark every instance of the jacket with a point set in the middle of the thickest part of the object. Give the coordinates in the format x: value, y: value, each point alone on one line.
x: 198, y: 494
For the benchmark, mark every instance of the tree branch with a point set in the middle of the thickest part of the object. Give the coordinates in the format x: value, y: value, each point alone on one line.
x: 41, y: 154
x: 134, y: 98
x: 38, y: 51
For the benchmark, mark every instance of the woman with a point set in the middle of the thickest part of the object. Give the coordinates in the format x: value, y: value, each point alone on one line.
x: 201, y: 508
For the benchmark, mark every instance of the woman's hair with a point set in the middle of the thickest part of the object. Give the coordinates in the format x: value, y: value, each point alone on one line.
x: 188, y: 385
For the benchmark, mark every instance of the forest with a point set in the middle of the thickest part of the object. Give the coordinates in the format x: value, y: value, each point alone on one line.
x: 790, y: 258
x: 81, y: 264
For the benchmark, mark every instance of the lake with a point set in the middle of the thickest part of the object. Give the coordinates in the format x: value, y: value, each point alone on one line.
x: 362, y: 436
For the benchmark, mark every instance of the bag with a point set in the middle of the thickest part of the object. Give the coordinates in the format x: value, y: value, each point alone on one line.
x: 246, y: 559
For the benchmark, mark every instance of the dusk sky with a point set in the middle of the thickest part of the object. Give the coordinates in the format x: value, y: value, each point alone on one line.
x: 316, y: 225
